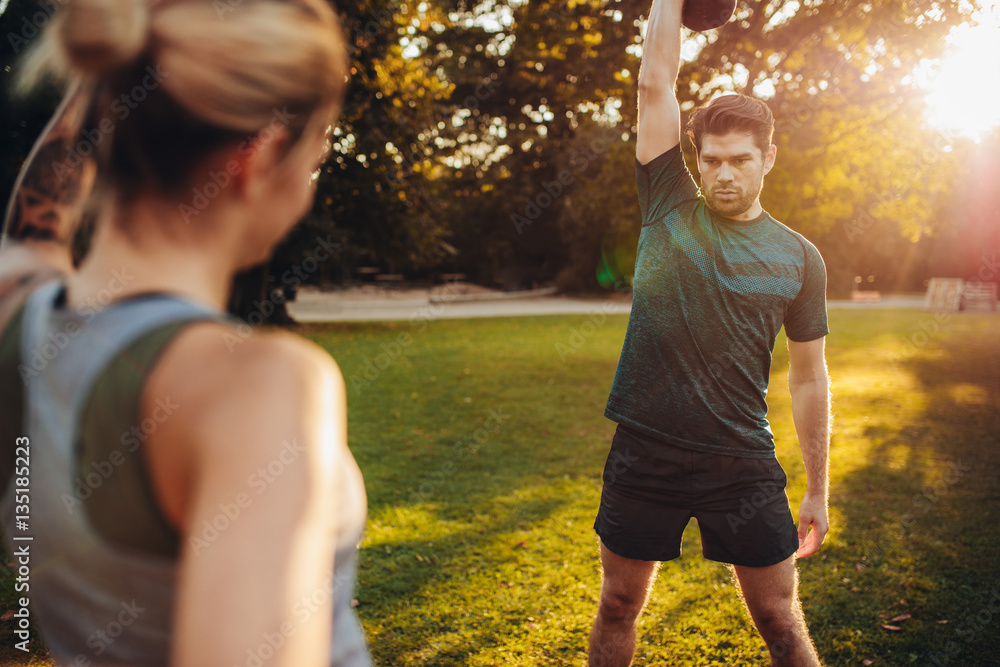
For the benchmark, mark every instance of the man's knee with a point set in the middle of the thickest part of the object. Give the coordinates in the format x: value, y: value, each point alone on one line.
x: 777, y: 624
x: 619, y: 606
x: 787, y: 642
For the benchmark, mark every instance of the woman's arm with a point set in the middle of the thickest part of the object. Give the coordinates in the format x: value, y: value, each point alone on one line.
x: 246, y: 465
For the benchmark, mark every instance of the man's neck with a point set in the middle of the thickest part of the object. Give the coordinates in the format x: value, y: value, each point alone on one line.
x: 753, y: 212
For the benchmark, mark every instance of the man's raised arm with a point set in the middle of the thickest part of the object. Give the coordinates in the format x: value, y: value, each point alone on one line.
x: 659, y: 113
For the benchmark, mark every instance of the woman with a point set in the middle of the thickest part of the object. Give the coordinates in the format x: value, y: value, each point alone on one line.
x: 188, y: 488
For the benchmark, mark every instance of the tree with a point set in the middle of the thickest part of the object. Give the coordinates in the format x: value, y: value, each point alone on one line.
x: 858, y: 171
x: 467, y: 139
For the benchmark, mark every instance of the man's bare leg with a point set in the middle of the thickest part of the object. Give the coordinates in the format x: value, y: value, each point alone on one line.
x: 771, y: 595
x: 624, y: 589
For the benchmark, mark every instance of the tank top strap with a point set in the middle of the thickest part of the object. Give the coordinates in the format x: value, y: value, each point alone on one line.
x: 85, y: 341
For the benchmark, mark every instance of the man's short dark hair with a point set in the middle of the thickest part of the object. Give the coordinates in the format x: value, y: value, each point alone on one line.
x: 733, y: 113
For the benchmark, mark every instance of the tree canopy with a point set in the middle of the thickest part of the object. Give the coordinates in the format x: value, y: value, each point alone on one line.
x: 495, y: 137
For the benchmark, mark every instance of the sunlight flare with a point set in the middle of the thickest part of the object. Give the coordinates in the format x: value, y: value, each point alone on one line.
x: 963, y: 97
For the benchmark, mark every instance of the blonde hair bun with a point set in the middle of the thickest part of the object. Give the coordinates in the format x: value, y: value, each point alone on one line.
x: 99, y: 35
x: 180, y: 78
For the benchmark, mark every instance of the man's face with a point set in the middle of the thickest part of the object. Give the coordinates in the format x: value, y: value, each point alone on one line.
x: 732, y: 173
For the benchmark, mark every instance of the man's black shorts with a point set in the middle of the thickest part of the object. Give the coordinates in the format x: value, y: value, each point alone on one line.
x: 652, y: 489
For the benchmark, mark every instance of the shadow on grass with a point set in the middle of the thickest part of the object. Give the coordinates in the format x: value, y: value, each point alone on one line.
x: 921, y: 534
x: 492, y: 522
x: 408, y: 580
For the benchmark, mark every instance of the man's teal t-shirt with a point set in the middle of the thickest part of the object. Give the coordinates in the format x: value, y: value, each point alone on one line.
x: 709, y: 297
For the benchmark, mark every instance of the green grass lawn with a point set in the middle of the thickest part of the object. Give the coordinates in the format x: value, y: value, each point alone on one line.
x: 480, y: 548
x: 482, y: 443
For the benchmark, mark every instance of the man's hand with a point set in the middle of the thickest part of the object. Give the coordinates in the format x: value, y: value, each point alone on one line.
x: 813, y: 525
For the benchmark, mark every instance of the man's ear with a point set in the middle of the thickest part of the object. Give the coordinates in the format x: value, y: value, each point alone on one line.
x: 772, y: 153
x: 258, y: 158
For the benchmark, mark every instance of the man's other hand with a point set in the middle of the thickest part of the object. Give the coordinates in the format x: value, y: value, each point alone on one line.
x: 813, y: 525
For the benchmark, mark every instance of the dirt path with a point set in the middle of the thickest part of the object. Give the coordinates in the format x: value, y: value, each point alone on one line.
x: 449, y: 302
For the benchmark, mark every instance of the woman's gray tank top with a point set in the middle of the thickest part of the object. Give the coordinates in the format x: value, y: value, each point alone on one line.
x: 93, y: 600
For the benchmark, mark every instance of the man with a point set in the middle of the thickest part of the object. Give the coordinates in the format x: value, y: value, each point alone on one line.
x: 716, y: 278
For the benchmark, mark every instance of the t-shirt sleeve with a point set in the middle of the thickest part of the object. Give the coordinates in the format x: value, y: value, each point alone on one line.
x: 664, y: 182
x: 806, y: 319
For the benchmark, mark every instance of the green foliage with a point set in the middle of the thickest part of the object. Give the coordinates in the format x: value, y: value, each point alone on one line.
x: 522, y: 86
x: 376, y: 195
x: 460, y: 113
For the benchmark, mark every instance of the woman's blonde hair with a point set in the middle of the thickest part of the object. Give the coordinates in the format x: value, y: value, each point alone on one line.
x: 168, y: 81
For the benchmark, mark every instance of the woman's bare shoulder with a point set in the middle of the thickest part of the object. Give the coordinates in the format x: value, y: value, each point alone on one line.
x: 213, y: 361
x: 248, y: 388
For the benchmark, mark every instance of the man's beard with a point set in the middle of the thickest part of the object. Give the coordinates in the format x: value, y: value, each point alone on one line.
x: 733, y: 205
